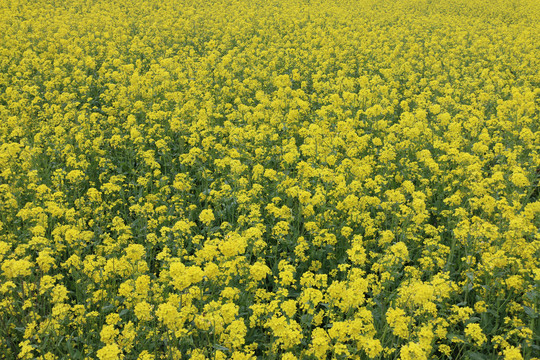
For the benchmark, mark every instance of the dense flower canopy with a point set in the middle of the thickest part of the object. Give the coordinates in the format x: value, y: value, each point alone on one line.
x: 281, y: 179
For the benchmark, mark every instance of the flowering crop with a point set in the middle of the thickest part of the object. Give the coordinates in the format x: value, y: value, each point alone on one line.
x: 269, y: 179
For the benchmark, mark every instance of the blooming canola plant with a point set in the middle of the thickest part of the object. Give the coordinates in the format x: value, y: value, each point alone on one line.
x: 275, y: 179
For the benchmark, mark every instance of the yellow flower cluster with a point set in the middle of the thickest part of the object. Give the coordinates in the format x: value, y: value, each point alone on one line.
x: 281, y: 179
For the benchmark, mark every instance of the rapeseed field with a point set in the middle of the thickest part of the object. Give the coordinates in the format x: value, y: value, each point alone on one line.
x: 277, y: 179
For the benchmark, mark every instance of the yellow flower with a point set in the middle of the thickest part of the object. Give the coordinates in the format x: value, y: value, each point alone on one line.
x: 357, y: 253
x: 45, y: 261
x: 75, y: 176
x: 289, y: 308
x: 236, y: 333
x: 413, y: 351
x: 207, y: 216
x: 399, y: 322
x: 26, y: 350
x: 512, y: 353
x: 520, y: 180
x: 110, y: 352
x: 287, y: 332
x: 59, y: 293
x: 474, y: 332
x: 445, y: 349
x: 289, y: 356
x: 371, y: 346
x: 108, y: 334
x: 15, y: 268
x: 259, y: 271
x: 320, y: 343
x: 143, y: 311
x: 135, y: 252
x: 145, y: 355
x: 183, y: 277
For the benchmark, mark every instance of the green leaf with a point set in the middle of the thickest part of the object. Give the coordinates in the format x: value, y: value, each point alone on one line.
x: 473, y: 355
x: 531, y: 295
x: 107, y: 308
x: 529, y: 311
x: 456, y: 336
x: 220, y: 347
